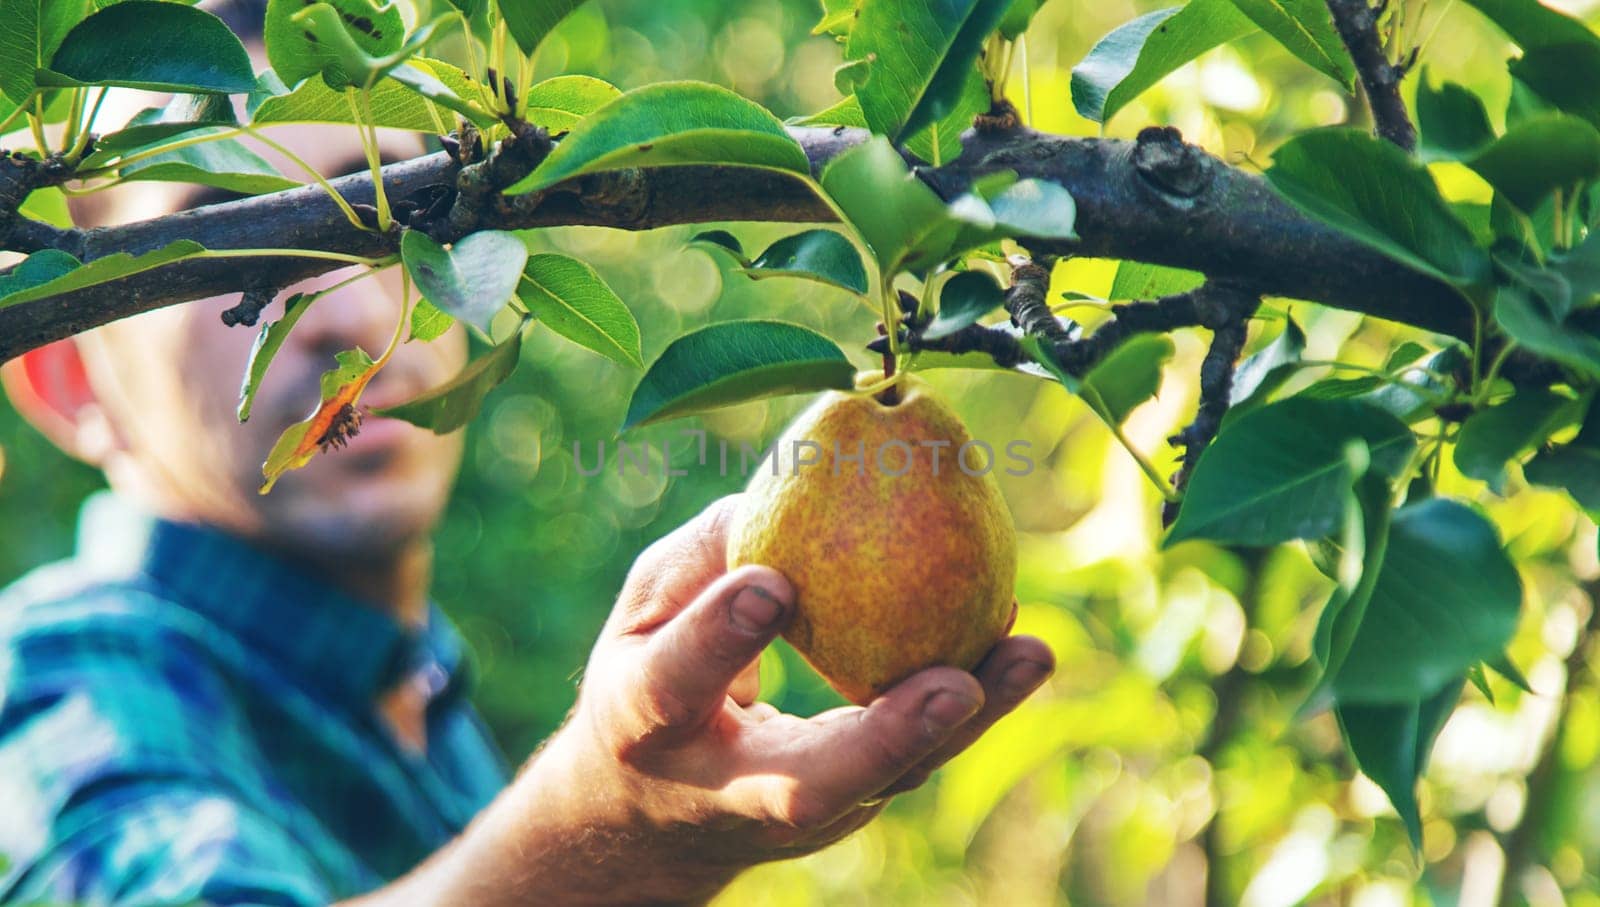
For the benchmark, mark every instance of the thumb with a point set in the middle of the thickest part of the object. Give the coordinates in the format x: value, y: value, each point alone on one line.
x: 689, y: 663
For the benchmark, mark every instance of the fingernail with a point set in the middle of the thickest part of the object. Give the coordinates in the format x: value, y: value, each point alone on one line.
x: 1022, y: 677
x: 945, y: 710
x: 754, y: 609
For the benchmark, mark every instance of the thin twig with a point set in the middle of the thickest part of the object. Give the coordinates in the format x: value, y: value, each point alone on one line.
x: 1357, y: 24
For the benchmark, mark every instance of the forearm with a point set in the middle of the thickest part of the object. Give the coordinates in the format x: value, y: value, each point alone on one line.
x: 559, y: 834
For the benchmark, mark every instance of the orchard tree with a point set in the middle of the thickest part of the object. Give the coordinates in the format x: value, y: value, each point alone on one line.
x: 924, y: 195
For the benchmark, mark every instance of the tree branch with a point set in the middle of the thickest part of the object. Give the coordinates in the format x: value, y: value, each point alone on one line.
x: 1357, y: 24
x: 1156, y: 200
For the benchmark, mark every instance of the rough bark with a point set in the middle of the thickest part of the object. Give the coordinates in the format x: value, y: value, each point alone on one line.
x: 1157, y: 200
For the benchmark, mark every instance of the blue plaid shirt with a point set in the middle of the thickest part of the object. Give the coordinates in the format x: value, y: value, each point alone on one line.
x: 183, y: 718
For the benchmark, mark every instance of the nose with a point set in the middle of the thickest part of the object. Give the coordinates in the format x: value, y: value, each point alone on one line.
x: 361, y: 313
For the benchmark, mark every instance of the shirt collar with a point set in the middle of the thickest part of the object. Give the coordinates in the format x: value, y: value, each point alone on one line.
x: 336, y: 643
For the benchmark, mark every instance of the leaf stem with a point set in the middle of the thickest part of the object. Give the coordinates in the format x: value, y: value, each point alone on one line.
x: 69, y: 133
x: 296, y: 253
x: 36, y: 123
x: 22, y: 110
x: 1027, y: 82
x: 192, y: 140
x: 316, y: 176
x: 1148, y: 468
x: 76, y: 152
x: 360, y: 101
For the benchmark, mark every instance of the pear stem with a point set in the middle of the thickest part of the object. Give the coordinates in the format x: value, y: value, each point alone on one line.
x: 890, y: 394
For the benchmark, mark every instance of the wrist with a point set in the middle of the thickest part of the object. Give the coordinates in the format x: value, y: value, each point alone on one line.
x: 577, y: 828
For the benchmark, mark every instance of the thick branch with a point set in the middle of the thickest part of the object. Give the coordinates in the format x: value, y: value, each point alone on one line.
x: 1357, y: 24
x: 1155, y: 200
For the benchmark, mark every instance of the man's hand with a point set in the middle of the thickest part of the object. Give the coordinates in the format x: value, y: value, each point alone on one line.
x: 669, y: 778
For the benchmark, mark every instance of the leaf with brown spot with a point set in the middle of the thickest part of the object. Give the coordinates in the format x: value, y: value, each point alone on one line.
x: 331, y: 424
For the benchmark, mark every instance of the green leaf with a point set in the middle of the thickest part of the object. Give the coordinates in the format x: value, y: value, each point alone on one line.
x: 1564, y: 76
x: 963, y: 299
x: 1527, y: 320
x: 1574, y: 466
x: 1358, y: 554
x: 342, y: 387
x: 847, y: 112
x: 973, y: 100
x: 721, y: 242
x: 1140, y: 53
x: 224, y: 163
x: 185, y: 113
x: 1451, y: 122
x: 570, y: 297
x: 1391, y: 744
x: 152, y: 45
x: 880, y: 197
x: 474, y: 279
x: 1017, y: 17
x: 558, y: 104
x: 352, y: 43
x: 36, y: 270
x: 1532, y: 24
x: 455, y: 403
x: 1265, y: 371
x: 837, y: 17
x: 1034, y: 208
x: 267, y: 344
x: 1379, y: 195
x: 1305, y: 29
x: 917, y: 80
x: 100, y: 270
x: 1127, y: 377
x: 429, y: 322
x: 1280, y: 472
x: 1539, y: 156
x: 529, y: 21
x: 30, y: 33
x: 1446, y: 597
x: 1140, y: 280
x: 394, y: 106
x: 734, y: 362
x: 821, y: 255
x: 1492, y: 437
x: 444, y: 85
x: 667, y: 124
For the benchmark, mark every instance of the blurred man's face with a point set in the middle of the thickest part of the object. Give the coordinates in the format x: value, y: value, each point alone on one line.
x: 169, y: 384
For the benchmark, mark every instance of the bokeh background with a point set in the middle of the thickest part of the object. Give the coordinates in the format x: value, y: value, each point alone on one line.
x: 1166, y: 742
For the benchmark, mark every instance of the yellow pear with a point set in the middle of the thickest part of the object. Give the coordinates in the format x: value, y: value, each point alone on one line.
x: 891, y: 528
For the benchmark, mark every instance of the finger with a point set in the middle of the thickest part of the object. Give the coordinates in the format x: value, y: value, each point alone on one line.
x: 668, y: 575
x: 747, y: 686
x: 850, y: 755
x: 1013, y: 669
x: 686, y: 668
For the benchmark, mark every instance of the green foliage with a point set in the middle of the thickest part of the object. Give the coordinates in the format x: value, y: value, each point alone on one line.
x: 452, y: 405
x: 1306, y: 29
x: 733, y: 363
x: 963, y: 299
x: 1371, y: 190
x: 152, y: 45
x: 1140, y: 53
x: 100, y: 270
x: 32, y: 32
x: 1281, y: 472
x: 912, y: 83
x: 473, y: 279
x: 569, y: 297
x: 268, y: 342
x: 669, y: 124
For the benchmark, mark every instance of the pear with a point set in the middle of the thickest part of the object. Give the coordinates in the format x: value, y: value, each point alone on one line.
x: 901, y: 550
